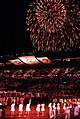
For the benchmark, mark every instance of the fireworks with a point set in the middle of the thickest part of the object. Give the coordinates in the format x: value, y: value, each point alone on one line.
x: 54, y: 24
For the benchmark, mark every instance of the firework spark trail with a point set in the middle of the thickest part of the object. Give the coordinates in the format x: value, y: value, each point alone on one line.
x: 54, y: 24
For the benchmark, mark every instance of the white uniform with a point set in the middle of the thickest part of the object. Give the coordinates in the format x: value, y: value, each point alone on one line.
x: 28, y: 107
x: 50, y: 110
x: 54, y: 113
x: 0, y: 110
x: 54, y: 106
x: 13, y: 107
x: 64, y: 106
x: 43, y: 107
x: 50, y: 107
x: 38, y: 108
x: 20, y: 107
x: 58, y: 106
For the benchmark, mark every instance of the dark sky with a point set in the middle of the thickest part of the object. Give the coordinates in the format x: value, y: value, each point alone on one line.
x: 13, y: 35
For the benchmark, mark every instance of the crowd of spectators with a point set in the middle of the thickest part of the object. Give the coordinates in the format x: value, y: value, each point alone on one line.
x: 58, y: 90
x: 53, y: 82
x: 41, y: 73
x: 53, y: 88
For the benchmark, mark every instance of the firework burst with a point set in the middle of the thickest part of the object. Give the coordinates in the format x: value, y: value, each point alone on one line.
x: 54, y: 24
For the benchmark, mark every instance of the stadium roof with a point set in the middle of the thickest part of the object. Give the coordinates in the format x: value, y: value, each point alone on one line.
x: 67, y: 59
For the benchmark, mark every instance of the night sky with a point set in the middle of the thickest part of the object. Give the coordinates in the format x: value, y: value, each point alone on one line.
x: 13, y: 35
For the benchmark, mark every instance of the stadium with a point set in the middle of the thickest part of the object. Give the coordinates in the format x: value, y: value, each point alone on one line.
x: 44, y: 83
